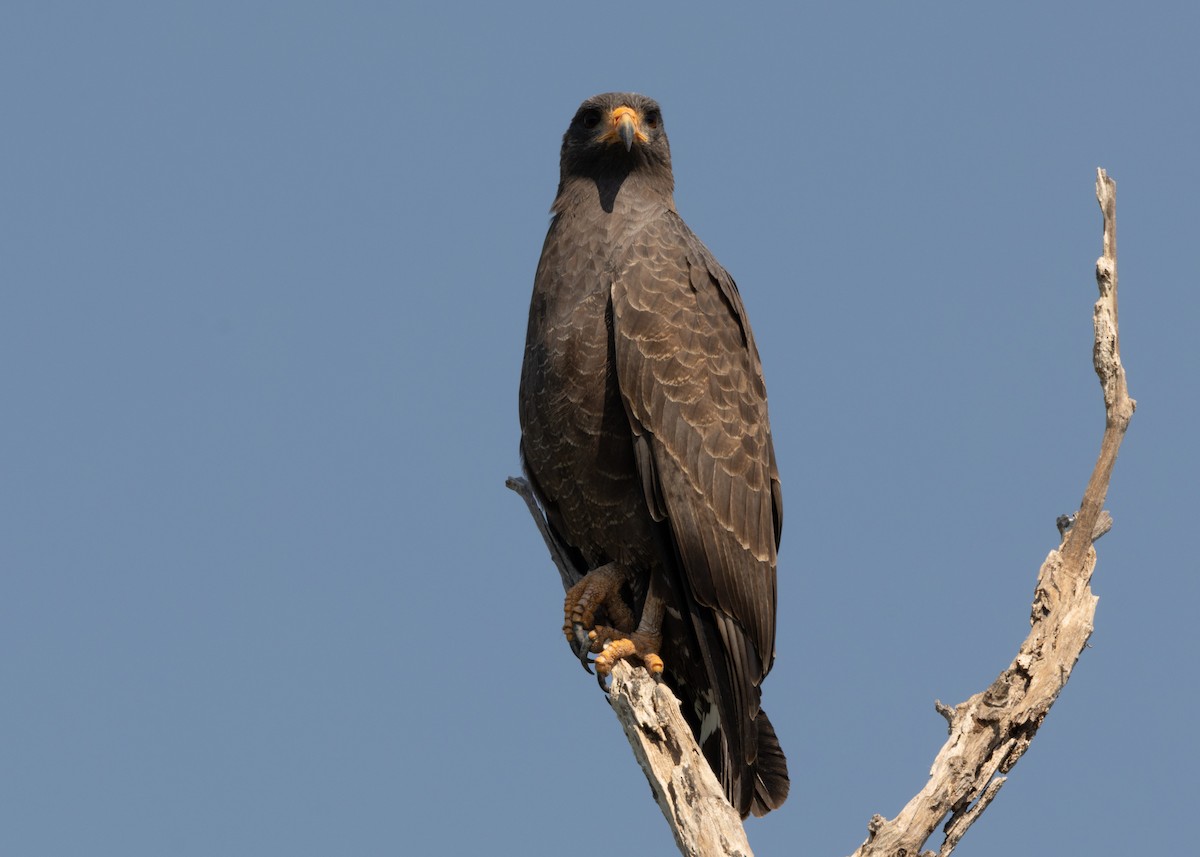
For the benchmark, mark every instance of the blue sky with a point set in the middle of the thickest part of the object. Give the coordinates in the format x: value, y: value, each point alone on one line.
x: 264, y: 272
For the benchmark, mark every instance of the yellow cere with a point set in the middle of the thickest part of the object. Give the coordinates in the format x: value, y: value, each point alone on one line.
x: 617, y: 118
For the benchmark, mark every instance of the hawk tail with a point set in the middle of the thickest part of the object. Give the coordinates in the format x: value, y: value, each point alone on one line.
x: 771, y: 781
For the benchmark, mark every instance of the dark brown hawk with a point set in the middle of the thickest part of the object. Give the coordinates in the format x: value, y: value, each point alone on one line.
x: 644, y: 433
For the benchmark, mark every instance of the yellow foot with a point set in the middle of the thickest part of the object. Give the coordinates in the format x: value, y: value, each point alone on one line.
x: 643, y: 647
x: 598, y: 593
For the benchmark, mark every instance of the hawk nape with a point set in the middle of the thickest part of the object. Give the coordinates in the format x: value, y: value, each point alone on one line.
x: 645, y: 436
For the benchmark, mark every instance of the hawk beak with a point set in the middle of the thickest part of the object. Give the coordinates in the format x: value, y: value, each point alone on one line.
x: 626, y: 126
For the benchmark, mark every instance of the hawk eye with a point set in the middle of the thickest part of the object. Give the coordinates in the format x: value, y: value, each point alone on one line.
x: 652, y: 118
x: 590, y: 119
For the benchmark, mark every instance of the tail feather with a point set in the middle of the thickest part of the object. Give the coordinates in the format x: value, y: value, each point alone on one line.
x: 771, y: 781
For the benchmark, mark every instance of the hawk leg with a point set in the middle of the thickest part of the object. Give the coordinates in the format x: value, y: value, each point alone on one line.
x: 620, y: 639
x: 598, y: 593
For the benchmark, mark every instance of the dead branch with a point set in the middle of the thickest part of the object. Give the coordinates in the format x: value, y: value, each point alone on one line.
x: 570, y: 574
x: 688, y: 793
x: 991, y: 730
x: 988, y: 732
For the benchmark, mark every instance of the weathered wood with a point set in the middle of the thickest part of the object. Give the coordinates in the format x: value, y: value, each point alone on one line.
x: 569, y: 574
x: 687, y: 791
x: 991, y: 730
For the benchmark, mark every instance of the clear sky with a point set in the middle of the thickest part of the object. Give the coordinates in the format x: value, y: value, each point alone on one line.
x: 264, y: 274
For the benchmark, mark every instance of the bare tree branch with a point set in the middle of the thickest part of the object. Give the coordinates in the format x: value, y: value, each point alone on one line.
x: 988, y: 732
x: 688, y: 793
x: 991, y: 730
x: 569, y: 574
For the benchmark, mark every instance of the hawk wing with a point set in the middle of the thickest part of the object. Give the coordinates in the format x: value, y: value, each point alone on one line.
x: 692, y: 385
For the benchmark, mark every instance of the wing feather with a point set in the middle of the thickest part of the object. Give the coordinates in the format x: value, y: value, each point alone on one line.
x: 691, y: 381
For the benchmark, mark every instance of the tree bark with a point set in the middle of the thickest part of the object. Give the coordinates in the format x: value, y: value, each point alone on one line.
x: 687, y: 791
x: 989, y: 732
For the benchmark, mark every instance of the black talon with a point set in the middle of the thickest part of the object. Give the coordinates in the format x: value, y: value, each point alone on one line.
x: 582, y: 646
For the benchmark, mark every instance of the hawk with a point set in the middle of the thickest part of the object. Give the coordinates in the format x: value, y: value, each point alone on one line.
x: 645, y: 437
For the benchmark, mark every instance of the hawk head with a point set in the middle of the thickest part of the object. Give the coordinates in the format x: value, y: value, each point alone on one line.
x: 616, y: 132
